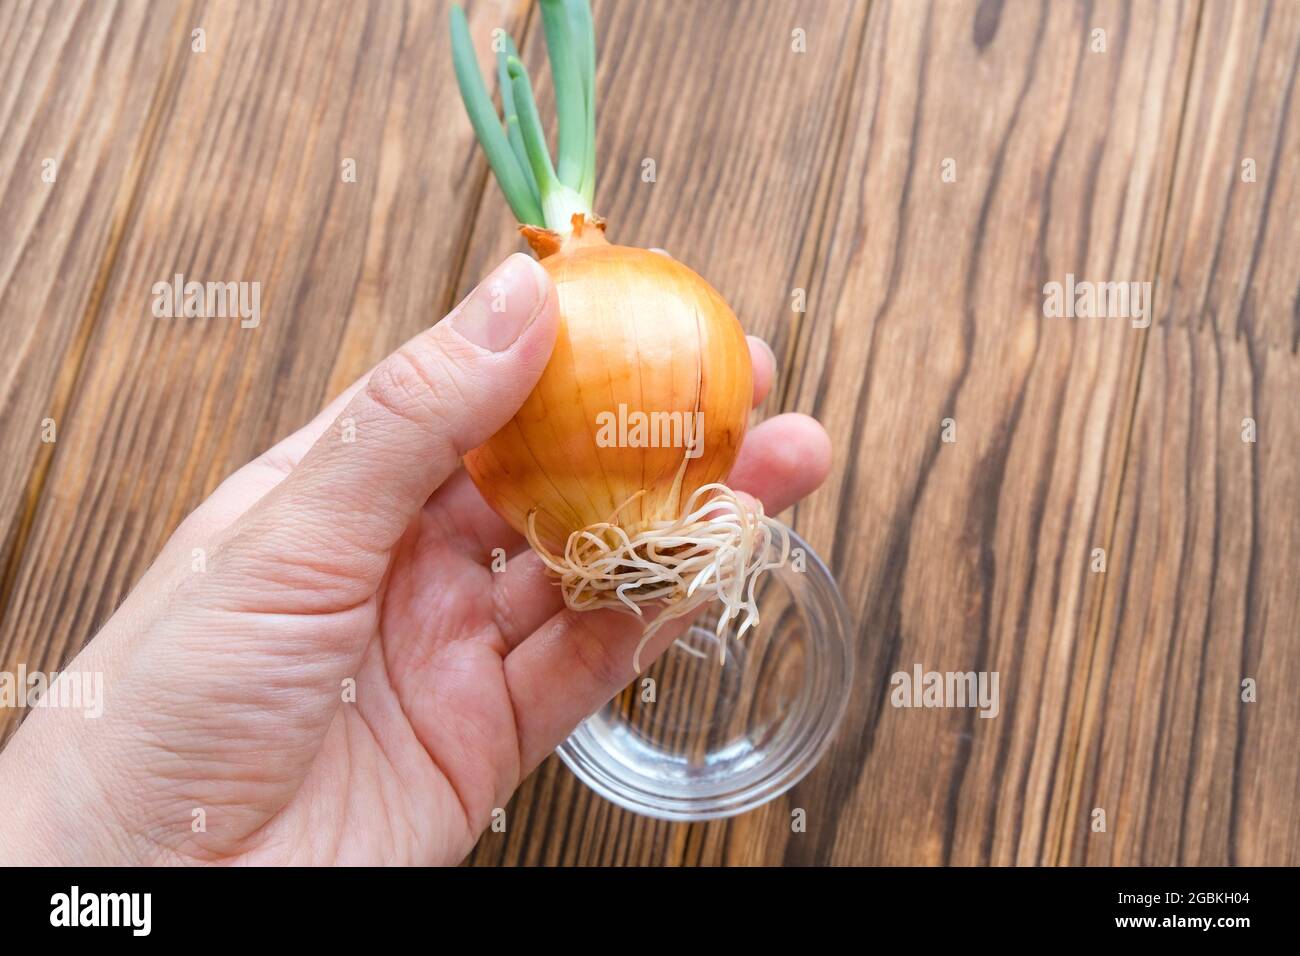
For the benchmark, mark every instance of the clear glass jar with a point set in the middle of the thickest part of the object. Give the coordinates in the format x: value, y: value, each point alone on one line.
x: 709, y: 739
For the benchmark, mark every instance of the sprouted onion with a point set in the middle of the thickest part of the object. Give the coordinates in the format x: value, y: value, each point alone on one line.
x: 636, y: 516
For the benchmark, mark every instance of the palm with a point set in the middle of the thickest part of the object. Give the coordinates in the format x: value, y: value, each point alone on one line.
x: 437, y: 667
x: 426, y: 748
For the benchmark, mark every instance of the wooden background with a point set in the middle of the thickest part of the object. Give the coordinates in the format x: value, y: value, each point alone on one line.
x: 777, y: 171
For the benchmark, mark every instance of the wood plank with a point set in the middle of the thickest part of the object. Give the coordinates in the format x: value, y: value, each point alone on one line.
x: 929, y: 305
x: 247, y: 185
x: 1118, y: 690
x: 1202, y: 587
x: 77, y: 83
x: 743, y: 132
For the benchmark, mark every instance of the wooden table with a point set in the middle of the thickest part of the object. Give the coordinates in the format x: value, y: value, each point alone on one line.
x: 917, y: 176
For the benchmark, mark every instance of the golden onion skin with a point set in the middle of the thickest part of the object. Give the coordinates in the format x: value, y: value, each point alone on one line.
x: 637, y: 329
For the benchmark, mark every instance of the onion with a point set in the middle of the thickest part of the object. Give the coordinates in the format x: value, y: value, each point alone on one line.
x: 613, y: 467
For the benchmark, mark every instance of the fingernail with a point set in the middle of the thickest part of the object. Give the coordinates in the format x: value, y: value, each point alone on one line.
x: 496, y: 313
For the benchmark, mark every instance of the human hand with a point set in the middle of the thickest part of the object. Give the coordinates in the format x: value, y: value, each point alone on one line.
x: 326, y: 562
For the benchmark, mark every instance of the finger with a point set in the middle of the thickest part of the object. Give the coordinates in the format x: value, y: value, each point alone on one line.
x: 782, y: 460
x: 446, y: 391
x: 524, y: 597
x: 763, y: 360
x: 575, y: 662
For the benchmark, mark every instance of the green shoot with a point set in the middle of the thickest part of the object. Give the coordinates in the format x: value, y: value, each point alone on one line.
x: 559, y: 201
x: 539, y: 193
x: 584, y: 33
x: 530, y: 125
x: 570, y: 98
x: 511, y: 115
x: 487, y: 125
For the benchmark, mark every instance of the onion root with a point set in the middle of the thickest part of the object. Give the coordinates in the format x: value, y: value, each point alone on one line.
x: 719, y: 548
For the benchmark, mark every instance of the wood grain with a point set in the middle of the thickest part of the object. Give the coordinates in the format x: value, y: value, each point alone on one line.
x: 973, y: 555
x: 775, y: 171
x: 76, y: 85
x: 1201, y: 586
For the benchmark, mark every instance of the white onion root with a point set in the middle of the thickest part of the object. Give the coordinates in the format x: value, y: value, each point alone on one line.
x: 719, y: 548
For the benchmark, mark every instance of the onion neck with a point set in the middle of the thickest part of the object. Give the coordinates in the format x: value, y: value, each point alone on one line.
x: 585, y: 229
x: 560, y: 204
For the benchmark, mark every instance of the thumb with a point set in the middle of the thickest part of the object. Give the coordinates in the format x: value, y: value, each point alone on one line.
x: 444, y: 392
